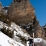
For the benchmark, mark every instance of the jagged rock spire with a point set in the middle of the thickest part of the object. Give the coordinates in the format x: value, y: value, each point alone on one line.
x: 21, y: 12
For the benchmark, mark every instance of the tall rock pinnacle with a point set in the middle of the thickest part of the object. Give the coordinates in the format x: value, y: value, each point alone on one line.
x: 21, y: 12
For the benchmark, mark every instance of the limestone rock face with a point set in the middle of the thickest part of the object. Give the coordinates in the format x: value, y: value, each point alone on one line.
x: 20, y: 10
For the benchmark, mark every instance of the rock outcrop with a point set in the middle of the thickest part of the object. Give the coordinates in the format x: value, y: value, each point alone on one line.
x: 21, y: 12
x: 3, y: 10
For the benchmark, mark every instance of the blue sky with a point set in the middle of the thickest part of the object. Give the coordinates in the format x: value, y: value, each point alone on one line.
x: 40, y: 9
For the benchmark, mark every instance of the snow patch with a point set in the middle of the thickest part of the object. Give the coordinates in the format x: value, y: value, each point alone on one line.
x: 6, y: 41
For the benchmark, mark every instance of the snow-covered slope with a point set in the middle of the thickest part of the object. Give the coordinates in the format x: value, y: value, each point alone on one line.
x: 17, y: 31
x: 16, y: 41
x: 20, y: 31
x: 6, y: 41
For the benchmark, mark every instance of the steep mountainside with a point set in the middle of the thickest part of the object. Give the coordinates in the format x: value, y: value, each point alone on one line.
x: 18, y: 21
x: 22, y: 13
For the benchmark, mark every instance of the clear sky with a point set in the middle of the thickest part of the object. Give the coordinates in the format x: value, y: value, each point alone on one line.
x: 40, y: 9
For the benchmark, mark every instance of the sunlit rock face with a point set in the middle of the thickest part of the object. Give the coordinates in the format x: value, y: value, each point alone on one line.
x: 21, y: 12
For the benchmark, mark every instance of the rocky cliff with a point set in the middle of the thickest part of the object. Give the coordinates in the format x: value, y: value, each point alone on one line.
x: 22, y: 13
